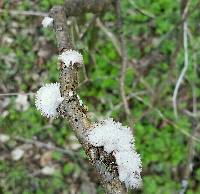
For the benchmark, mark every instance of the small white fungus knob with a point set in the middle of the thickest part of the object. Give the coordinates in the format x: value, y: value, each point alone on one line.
x: 48, y: 98
x: 70, y: 57
x: 47, y: 22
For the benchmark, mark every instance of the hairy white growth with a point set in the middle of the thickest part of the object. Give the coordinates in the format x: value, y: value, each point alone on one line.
x: 17, y: 154
x: 47, y: 22
x: 129, y: 168
x: 118, y: 139
x: 112, y: 135
x: 48, y: 98
x: 71, y: 57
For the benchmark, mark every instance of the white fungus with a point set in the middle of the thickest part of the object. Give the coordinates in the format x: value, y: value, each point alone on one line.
x: 129, y: 168
x: 112, y: 135
x: 17, y: 154
x: 119, y: 140
x: 48, y: 98
x: 70, y: 57
x: 47, y: 22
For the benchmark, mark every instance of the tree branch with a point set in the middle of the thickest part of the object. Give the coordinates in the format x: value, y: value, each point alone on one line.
x: 186, y: 58
x: 79, y: 7
x: 104, y: 163
x: 26, y: 13
x: 61, y: 29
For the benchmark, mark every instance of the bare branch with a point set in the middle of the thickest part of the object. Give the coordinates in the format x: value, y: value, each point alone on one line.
x: 61, y: 28
x: 124, y: 61
x: 194, y: 129
x: 22, y: 12
x: 79, y: 7
x: 186, y: 63
x: 16, y: 94
x: 39, y: 144
x: 110, y: 35
x: 76, y: 115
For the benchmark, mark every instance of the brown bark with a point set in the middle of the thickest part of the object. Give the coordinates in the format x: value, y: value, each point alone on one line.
x: 104, y: 163
x: 79, y: 7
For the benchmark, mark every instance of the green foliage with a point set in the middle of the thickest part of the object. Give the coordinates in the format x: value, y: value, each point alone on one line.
x: 69, y: 168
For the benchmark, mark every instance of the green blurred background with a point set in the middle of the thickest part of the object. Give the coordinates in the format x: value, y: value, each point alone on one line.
x: 153, y: 34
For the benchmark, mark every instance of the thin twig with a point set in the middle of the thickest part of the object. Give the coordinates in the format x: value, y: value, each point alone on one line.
x: 177, y: 24
x: 124, y: 60
x: 195, y: 127
x: 186, y: 64
x: 16, y: 94
x: 87, y: 26
x: 69, y: 153
x: 48, y: 146
x: 142, y: 11
x: 170, y: 122
x: 110, y: 35
x: 22, y: 12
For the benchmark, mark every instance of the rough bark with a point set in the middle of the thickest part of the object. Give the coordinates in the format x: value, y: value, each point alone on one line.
x: 61, y: 28
x: 70, y: 108
x: 79, y: 7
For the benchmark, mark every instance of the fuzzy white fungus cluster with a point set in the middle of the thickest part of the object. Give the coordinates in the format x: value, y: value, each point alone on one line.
x: 118, y: 139
x: 48, y: 98
x: 71, y: 57
x: 47, y: 22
